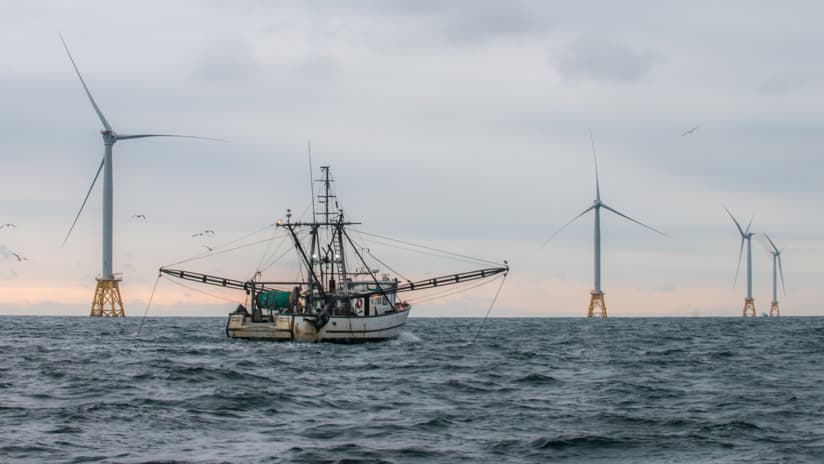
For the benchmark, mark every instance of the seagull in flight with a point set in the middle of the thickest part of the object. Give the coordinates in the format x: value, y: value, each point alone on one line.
x: 20, y: 258
x: 208, y: 247
x: 690, y: 131
x: 139, y: 216
x: 8, y: 224
x: 204, y: 233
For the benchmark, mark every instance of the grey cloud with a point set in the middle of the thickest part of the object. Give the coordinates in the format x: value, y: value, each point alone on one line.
x: 602, y: 59
x: 793, y: 82
x: 317, y: 66
x: 227, y: 60
x: 664, y: 289
x: 465, y: 22
x: 483, y: 22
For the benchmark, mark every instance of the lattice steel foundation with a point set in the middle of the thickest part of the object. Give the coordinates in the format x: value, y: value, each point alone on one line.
x: 749, y: 307
x: 107, y: 301
x: 774, y: 311
x: 597, y: 307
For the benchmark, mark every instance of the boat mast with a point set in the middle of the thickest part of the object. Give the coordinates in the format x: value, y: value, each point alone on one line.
x: 330, y: 232
x: 335, y: 261
x: 312, y: 278
x: 344, y: 282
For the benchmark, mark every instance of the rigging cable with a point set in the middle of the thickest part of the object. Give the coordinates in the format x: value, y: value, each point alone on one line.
x: 444, y: 252
x: 463, y: 287
x: 490, y: 308
x: 311, y: 182
x: 266, y: 256
x: 398, y: 247
x: 297, y: 253
x: 263, y: 255
x: 210, y: 254
x: 159, y: 275
x: 230, y: 242
x: 201, y: 291
x: 386, y: 265
x: 275, y: 260
x: 245, y: 236
x: 368, y: 251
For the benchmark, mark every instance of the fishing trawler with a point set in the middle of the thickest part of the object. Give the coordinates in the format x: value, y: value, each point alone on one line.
x: 334, y: 303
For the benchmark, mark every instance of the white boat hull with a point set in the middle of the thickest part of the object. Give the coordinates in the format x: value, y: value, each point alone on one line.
x: 301, y: 328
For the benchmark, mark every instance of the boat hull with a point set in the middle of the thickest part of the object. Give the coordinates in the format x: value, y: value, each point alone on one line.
x: 301, y: 328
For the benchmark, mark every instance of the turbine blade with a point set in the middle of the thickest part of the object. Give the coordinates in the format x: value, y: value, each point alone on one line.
x: 738, y: 268
x: 749, y: 224
x: 568, y: 223
x: 143, y: 136
x: 781, y: 271
x: 605, y: 206
x: 91, y: 99
x: 771, y: 243
x: 736, y: 222
x: 100, y: 168
x: 767, y: 248
x: 594, y: 157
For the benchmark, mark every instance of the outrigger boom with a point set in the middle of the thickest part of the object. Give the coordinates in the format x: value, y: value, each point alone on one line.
x: 259, y: 287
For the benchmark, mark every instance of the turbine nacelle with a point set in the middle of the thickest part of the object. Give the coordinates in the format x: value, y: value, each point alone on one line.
x: 109, y: 136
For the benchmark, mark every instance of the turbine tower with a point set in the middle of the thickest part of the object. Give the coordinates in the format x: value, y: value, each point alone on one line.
x: 107, y: 301
x: 597, y: 306
x: 777, y: 268
x: 746, y: 236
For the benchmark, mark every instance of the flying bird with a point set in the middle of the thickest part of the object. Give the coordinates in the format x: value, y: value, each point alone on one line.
x: 690, y: 131
x: 208, y: 247
x: 204, y: 233
x: 139, y: 216
x: 20, y: 258
x: 8, y: 224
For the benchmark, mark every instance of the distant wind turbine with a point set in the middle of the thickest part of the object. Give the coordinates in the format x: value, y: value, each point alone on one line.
x: 746, y: 236
x: 690, y: 131
x: 777, y: 268
x: 107, y: 300
x: 597, y: 295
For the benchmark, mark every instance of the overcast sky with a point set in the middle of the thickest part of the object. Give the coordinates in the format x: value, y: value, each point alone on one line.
x: 459, y: 125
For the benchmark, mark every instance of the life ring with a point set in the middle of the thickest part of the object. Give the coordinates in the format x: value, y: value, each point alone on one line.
x: 359, y: 303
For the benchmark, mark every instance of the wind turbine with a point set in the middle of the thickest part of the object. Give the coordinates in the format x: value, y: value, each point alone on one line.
x: 107, y: 300
x: 597, y: 295
x: 746, y: 236
x: 777, y: 268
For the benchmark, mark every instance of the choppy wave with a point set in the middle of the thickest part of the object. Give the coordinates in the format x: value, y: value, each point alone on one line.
x: 527, y: 390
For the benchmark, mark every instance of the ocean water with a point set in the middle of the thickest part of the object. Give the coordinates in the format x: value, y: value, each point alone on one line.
x: 714, y: 390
